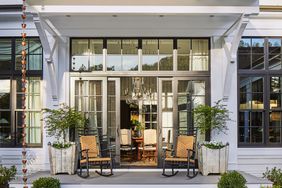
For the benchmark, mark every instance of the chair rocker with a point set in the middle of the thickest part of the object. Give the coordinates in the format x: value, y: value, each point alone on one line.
x: 90, y: 156
x: 183, y: 155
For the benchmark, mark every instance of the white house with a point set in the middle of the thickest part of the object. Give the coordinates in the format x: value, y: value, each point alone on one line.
x: 98, y: 55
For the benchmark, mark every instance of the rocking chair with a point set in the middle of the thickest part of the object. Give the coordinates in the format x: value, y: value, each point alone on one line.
x: 184, y: 155
x: 90, y: 156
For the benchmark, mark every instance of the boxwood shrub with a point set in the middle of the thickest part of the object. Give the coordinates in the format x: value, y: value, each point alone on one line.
x: 232, y: 179
x: 46, y: 182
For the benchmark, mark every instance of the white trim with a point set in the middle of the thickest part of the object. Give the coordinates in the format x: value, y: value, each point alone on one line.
x: 90, y: 9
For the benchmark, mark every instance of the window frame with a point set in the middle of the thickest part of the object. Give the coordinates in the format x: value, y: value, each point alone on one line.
x: 266, y: 73
x: 145, y: 72
x: 13, y: 74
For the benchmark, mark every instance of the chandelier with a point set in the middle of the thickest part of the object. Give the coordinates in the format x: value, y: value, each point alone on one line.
x: 139, y: 91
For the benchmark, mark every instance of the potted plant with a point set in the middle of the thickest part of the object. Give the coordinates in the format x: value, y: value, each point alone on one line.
x: 62, y: 154
x: 138, y: 127
x: 212, y: 156
x: 6, y: 175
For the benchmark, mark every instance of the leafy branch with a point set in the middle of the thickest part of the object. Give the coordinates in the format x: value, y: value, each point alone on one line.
x: 211, y: 117
x: 59, y: 121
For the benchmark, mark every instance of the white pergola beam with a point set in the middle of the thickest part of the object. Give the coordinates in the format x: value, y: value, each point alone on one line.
x: 48, y: 53
x: 230, y: 48
x: 92, y: 9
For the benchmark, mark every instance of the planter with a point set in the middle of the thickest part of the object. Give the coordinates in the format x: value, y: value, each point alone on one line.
x: 4, y: 185
x: 63, y: 160
x: 213, y: 161
x: 138, y: 133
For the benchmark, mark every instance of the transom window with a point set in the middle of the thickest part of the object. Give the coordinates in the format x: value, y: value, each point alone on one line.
x: 150, y: 54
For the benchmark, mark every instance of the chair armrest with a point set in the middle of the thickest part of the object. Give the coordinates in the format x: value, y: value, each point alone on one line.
x: 84, y: 150
x: 86, y: 153
x: 190, y: 153
x: 109, y: 149
x: 167, y: 150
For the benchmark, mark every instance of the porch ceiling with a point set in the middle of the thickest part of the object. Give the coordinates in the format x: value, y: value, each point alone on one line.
x: 196, y: 25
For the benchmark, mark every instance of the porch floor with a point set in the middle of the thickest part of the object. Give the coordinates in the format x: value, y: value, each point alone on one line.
x: 139, y: 179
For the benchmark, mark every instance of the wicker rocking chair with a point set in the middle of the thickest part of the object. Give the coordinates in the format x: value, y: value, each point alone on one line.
x: 183, y: 155
x: 90, y: 156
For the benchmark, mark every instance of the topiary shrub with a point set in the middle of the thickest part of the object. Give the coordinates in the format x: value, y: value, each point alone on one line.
x: 232, y: 179
x: 46, y: 182
x: 274, y: 175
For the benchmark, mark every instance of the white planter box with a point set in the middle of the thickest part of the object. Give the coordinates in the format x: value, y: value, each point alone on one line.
x: 213, y: 161
x: 63, y: 160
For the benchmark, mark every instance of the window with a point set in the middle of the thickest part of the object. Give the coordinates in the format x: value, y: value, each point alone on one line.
x: 259, y: 80
x: 251, y: 53
x: 5, y: 112
x: 251, y: 110
x: 87, y: 55
x: 5, y: 55
x: 34, y: 54
x: 10, y: 93
x: 150, y: 58
x: 192, y: 54
x: 151, y: 54
x: 122, y: 55
x: 166, y: 54
x: 157, y: 54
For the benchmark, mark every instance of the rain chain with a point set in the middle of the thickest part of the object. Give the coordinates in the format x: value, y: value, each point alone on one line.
x: 23, y: 89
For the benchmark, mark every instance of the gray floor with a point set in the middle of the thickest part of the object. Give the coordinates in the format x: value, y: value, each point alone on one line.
x: 129, y: 177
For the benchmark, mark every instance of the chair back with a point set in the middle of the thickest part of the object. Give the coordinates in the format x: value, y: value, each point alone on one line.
x: 184, y: 142
x: 150, y: 137
x: 90, y: 143
x: 125, y: 137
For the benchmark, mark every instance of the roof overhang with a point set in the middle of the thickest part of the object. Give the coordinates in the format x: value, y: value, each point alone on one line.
x: 107, y: 18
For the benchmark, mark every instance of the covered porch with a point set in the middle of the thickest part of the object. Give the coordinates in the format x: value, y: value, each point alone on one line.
x: 126, y: 178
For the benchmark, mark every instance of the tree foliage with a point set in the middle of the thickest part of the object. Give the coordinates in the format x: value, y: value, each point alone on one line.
x: 59, y: 121
x: 211, y: 117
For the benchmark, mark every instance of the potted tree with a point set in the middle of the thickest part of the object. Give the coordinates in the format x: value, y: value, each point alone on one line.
x: 213, y: 155
x: 62, y: 153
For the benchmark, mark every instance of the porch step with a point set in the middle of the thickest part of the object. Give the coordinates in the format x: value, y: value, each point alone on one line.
x: 139, y: 179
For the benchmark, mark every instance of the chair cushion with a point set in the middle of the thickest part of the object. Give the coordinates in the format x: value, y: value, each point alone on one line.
x: 178, y: 159
x: 96, y: 159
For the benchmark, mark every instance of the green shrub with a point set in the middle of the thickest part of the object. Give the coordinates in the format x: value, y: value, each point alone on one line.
x: 7, y: 174
x: 274, y: 175
x: 232, y: 179
x: 46, y: 182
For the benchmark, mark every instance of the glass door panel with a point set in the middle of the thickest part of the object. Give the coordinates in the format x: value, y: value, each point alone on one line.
x: 113, y: 115
x: 87, y: 96
x: 166, y: 125
x: 190, y: 93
